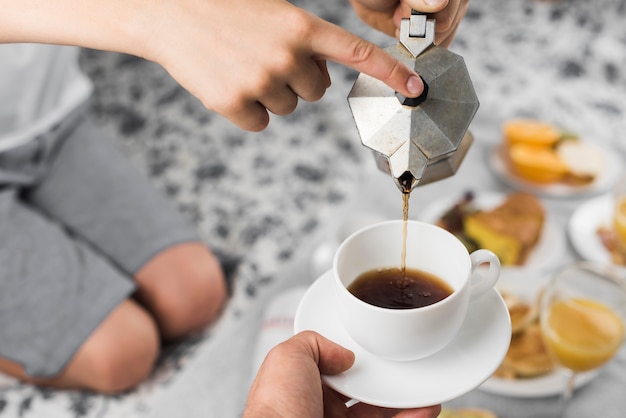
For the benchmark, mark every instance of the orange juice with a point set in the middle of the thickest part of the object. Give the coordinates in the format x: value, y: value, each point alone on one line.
x: 619, y: 221
x: 582, y: 334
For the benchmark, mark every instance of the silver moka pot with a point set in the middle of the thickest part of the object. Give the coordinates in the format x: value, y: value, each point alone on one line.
x: 421, y: 140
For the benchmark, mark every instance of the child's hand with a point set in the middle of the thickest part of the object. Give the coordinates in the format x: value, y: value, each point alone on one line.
x: 385, y: 15
x: 243, y: 59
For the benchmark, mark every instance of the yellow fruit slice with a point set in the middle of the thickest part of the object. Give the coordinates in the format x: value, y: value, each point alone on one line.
x: 619, y: 221
x: 536, y: 163
x: 529, y: 131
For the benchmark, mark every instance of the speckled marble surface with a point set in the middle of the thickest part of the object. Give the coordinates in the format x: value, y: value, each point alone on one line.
x: 263, y: 201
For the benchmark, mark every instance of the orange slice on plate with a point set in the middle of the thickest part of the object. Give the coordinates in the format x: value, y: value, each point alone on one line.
x: 531, y: 132
x: 537, y: 163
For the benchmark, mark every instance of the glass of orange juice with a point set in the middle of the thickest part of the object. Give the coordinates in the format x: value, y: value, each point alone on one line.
x: 619, y: 214
x: 583, y: 318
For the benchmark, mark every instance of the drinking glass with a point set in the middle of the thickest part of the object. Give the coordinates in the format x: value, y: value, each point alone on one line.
x: 583, y: 317
x: 619, y: 214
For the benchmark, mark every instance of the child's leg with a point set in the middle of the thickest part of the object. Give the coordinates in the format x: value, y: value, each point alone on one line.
x: 183, y: 287
x: 92, y: 189
x: 117, y: 356
x: 65, y: 319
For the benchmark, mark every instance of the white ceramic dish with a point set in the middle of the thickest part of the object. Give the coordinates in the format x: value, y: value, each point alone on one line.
x: 526, y: 285
x: 548, y: 252
x: 583, y: 228
x: 603, y: 182
x: 465, y: 363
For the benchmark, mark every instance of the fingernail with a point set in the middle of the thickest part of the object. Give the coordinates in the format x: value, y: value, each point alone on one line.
x: 433, y: 2
x: 415, y: 85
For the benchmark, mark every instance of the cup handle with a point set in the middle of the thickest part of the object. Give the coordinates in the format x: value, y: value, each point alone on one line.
x: 484, y: 277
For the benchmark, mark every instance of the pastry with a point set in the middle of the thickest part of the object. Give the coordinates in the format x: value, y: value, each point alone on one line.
x: 510, y: 230
x: 466, y: 413
x: 527, y: 356
x: 522, y: 314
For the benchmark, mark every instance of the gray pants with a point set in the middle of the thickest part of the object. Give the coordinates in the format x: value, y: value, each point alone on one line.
x: 77, y: 221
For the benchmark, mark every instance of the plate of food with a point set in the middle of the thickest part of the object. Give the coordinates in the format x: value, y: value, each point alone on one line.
x: 527, y: 370
x: 466, y: 412
x: 514, y: 226
x: 545, y: 160
x: 591, y: 233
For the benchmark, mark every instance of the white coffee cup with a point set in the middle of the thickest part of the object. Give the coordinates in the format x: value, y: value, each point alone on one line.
x: 409, y: 334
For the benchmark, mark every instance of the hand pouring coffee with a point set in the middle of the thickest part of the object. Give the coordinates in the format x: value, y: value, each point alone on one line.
x: 399, y: 346
x: 420, y: 140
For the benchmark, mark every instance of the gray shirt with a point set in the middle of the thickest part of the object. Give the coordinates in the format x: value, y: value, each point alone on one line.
x: 39, y: 85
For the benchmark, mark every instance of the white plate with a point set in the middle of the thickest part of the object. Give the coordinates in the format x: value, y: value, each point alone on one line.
x: 465, y: 363
x: 548, y: 252
x: 526, y: 285
x: 603, y: 182
x: 583, y: 227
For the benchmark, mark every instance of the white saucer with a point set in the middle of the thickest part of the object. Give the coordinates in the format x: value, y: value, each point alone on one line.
x: 548, y: 252
x: 583, y: 227
x: 526, y: 285
x: 473, y: 356
x: 603, y: 182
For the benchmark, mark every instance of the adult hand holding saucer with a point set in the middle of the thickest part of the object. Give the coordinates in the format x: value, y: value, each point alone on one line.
x: 474, y: 337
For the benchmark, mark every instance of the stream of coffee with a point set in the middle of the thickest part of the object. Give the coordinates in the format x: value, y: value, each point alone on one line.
x: 405, y: 218
x: 406, y: 182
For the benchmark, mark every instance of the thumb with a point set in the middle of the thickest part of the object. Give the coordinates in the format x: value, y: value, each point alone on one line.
x: 331, y: 358
x: 336, y: 44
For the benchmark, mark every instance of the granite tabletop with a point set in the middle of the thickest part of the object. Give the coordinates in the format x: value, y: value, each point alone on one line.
x: 265, y: 201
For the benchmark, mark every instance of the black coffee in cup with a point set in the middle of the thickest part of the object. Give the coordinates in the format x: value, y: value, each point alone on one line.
x: 390, y: 288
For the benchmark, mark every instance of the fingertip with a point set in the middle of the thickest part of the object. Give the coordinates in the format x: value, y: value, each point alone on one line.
x: 431, y: 6
x: 415, y: 85
x: 258, y: 127
x: 256, y: 124
x: 324, y: 70
x: 333, y: 358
